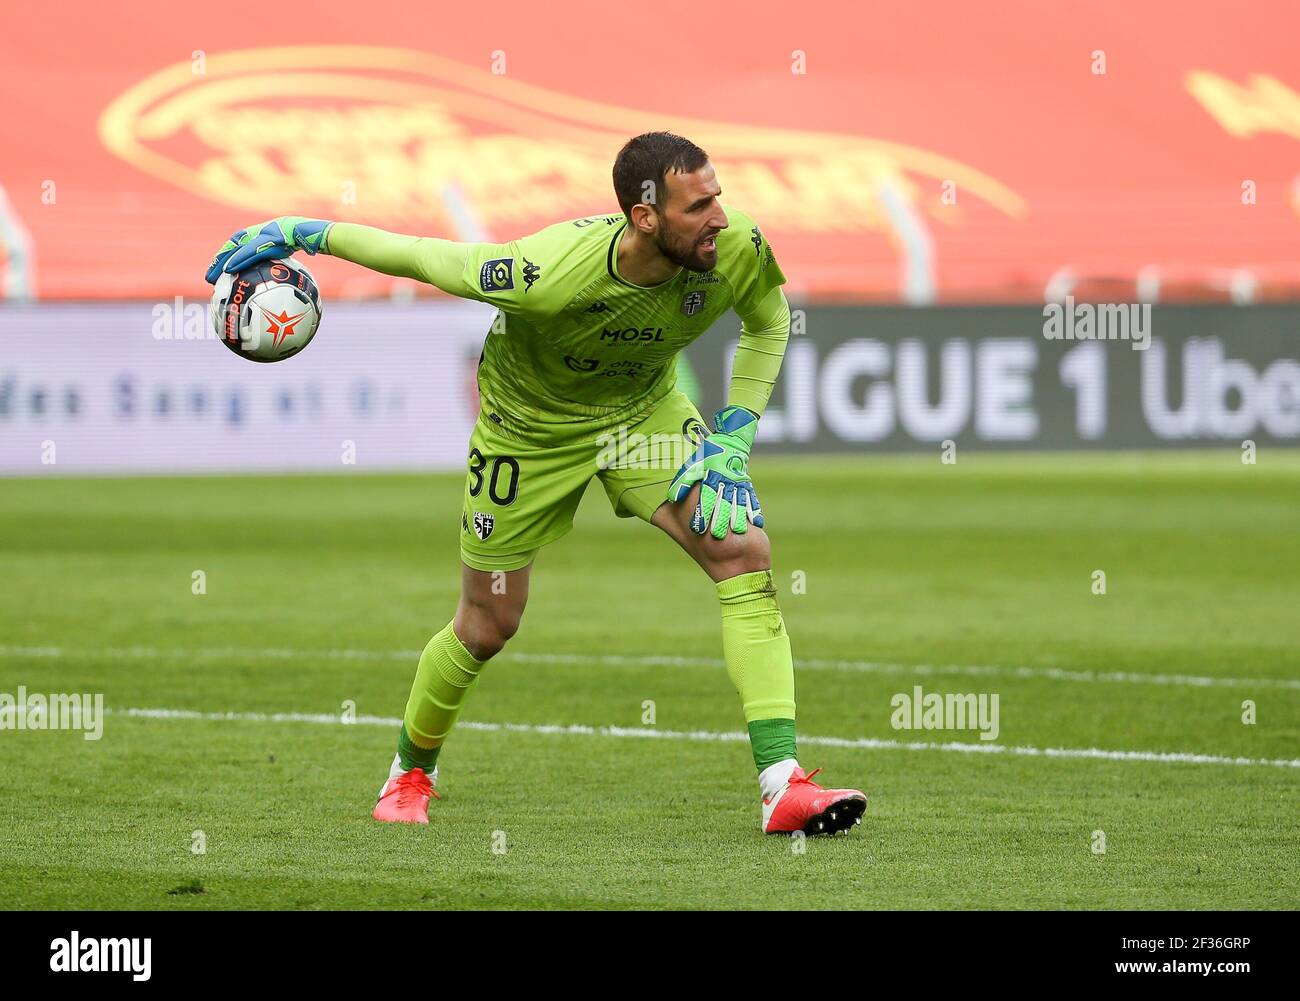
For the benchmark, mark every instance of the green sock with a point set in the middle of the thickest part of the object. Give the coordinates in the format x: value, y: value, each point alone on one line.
x: 443, y: 682
x: 757, y: 650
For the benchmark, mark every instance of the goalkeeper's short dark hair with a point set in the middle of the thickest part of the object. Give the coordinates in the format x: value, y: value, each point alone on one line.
x: 644, y: 162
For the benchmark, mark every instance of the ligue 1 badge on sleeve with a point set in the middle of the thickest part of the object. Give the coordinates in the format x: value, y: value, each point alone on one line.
x: 497, y: 275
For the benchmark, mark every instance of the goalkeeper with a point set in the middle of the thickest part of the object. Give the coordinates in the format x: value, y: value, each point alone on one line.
x: 577, y: 380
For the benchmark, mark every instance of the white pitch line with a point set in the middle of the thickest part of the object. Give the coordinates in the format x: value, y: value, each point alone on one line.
x: 651, y: 660
x: 714, y: 736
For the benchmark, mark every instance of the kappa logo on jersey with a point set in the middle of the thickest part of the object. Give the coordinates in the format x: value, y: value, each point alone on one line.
x: 483, y: 525
x: 757, y: 241
x: 693, y: 303
x: 531, y: 273
x: 597, y: 307
x: 497, y: 275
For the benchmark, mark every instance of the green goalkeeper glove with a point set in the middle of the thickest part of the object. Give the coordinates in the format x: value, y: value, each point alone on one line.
x: 721, y: 467
x: 268, y: 241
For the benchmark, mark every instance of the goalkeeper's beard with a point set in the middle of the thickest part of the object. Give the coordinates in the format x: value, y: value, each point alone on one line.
x: 685, y: 253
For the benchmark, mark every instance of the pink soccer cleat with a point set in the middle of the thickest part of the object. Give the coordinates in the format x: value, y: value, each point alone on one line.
x: 803, y: 805
x: 405, y: 799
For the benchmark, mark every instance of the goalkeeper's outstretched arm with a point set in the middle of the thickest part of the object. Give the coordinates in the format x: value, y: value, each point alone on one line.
x: 424, y: 258
x: 427, y: 259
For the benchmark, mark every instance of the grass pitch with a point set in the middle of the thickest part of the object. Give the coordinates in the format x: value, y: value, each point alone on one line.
x: 976, y: 577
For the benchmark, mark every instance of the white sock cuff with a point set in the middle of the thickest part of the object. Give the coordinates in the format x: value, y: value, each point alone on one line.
x: 773, y: 777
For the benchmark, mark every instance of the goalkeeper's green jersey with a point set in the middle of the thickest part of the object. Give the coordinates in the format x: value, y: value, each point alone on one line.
x: 576, y: 348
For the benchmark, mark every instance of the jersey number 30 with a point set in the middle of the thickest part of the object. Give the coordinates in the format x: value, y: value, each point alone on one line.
x: 477, y: 463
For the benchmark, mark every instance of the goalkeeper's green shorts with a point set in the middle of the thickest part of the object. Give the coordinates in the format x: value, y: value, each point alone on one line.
x: 519, y: 498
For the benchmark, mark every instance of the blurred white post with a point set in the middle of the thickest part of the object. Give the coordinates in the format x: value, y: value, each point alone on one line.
x: 1148, y: 284
x: 469, y: 229
x: 17, y: 245
x: 917, y: 285
x: 1059, y: 285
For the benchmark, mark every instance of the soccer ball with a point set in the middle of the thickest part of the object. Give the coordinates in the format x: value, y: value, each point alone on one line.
x: 268, y: 312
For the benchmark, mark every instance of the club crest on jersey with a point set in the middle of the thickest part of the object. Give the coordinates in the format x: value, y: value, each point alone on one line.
x: 693, y: 303
x: 483, y: 525
x: 497, y: 275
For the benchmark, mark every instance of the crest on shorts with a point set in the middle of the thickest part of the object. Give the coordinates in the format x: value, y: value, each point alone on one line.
x: 693, y: 303
x: 483, y: 525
